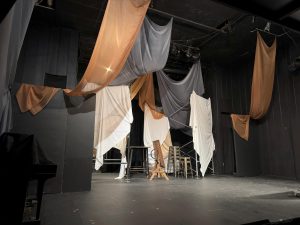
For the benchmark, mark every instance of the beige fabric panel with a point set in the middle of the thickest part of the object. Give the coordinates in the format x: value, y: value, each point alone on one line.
x: 120, y: 26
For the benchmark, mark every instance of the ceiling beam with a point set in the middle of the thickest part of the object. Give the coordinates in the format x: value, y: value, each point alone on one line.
x: 184, y: 21
x: 259, y: 10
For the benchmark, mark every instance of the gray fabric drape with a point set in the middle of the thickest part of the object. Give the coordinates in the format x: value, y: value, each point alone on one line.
x: 175, y: 96
x: 12, y: 32
x: 149, y: 53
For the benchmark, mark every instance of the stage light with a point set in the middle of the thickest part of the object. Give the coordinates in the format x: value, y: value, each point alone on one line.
x: 48, y: 4
x: 267, y: 27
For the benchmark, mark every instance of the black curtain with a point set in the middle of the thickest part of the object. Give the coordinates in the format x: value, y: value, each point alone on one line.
x: 137, y: 132
x: 5, y: 7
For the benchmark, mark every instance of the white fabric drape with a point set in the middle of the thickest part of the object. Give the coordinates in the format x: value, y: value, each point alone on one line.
x: 201, y: 123
x: 113, y: 118
x: 12, y: 33
x: 122, y: 147
x: 155, y: 129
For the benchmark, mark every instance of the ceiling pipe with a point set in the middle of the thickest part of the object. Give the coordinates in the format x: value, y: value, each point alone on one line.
x: 238, y: 20
x: 185, y: 21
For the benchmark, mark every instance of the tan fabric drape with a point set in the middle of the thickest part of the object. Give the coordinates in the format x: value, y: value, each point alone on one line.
x: 136, y: 86
x: 34, y: 98
x: 144, y: 86
x: 262, y: 86
x: 263, y: 78
x: 241, y: 125
x: 166, y: 145
x: 120, y: 26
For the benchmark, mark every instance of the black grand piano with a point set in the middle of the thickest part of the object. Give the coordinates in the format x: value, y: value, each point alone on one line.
x: 21, y: 160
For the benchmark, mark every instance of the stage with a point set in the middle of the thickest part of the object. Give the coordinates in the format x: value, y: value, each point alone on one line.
x: 213, y: 200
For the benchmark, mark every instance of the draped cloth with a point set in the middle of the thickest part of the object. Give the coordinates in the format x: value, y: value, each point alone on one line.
x: 145, y: 88
x: 136, y: 86
x: 12, y: 33
x: 120, y: 26
x: 240, y: 124
x: 175, y: 95
x: 34, y: 98
x: 262, y: 86
x: 201, y: 123
x: 122, y: 147
x: 156, y: 129
x: 113, y: 118
x: 149, y: 53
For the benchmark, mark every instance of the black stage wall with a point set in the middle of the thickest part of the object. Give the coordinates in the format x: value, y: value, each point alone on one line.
x: 275, y: 138
x: 65, y: 132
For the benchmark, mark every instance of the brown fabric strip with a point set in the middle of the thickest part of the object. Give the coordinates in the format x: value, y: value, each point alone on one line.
x: 136, y: 86
x: 144, y: 86
x: 120, y: 26
x: 262, y: 86
x: 263, y: 78
x: 241, y: 125
x: 34, y: 98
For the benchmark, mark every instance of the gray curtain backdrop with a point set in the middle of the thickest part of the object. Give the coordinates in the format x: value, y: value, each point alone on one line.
x: 149, y: 53
x: 48, y: 50
x: 12, y: 32
x: 175, y: 96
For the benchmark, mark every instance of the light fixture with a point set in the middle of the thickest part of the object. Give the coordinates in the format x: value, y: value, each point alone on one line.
x: 48, y: 4
x: 267, y: 27
x: 188, y: 53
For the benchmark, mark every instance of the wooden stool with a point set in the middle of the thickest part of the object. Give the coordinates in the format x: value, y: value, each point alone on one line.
x: 174, y: 159
x: 186, y: 165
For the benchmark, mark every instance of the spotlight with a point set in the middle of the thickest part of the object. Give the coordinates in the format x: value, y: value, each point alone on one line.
x: 188, y: 53
x: 267, y: 27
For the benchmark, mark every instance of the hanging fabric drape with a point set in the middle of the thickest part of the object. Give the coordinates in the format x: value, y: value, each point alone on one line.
x: 34, y: 98
x: 262, y: 86
x: 240, y: 124
x: 149, y: 53
x: 113, y: 116
x: 12, y: 32
x: 122, y: 147
x: 175, y: 96
x: 136, y: 86
x: 156, y: 129
x: 201, y: 123
x: 119, y: 28
x: 144, y: 86
x: 165, y: 147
